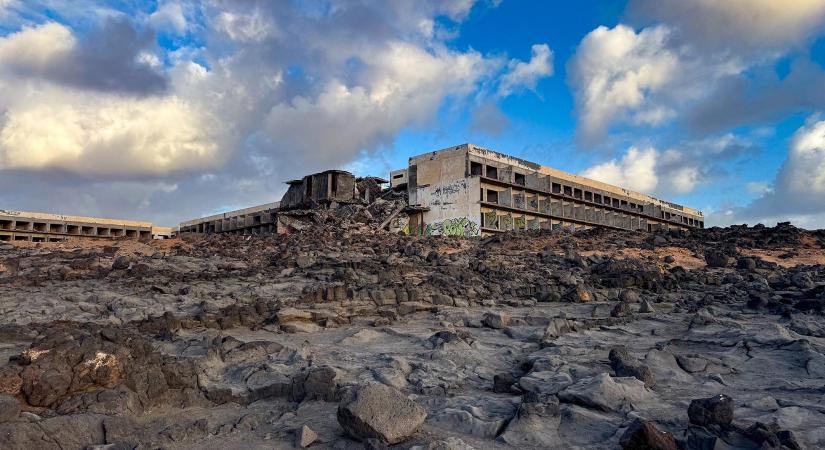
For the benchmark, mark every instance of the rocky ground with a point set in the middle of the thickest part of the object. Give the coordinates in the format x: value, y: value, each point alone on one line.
x: 344, y: 337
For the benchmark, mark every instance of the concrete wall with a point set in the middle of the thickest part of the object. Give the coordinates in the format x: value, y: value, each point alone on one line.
x: 452, y: 208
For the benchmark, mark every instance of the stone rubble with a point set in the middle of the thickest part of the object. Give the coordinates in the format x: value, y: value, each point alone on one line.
x: 345, y: 336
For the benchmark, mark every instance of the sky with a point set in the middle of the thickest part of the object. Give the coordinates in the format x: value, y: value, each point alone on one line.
x: 174, y: 109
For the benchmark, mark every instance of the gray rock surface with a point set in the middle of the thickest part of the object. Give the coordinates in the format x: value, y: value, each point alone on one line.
x: 381, y: 412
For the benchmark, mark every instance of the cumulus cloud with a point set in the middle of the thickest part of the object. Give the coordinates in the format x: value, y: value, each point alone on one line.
x: 649, y: 171
x: 170, y: 15
x: 526, y: 74
x: 636, y: 170
x: 738, y: 25
x: 106, y: 59
x: 266, y: 91
x: 798, y: 192
x: 612, y: 73
x: 705, y: 64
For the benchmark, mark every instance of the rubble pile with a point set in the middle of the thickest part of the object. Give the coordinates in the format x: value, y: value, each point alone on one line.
x: 344, y: 334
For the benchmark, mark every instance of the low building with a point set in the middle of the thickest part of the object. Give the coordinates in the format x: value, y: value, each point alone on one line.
x: 259, y: 219
x: 161, y: 233
x: 43, y: 227
x: 471, y: 191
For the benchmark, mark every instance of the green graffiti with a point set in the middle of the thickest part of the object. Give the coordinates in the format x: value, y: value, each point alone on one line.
x: 518, y: 223
x: 506, y: 222
x: 461, y: 226
x: 490, y: 219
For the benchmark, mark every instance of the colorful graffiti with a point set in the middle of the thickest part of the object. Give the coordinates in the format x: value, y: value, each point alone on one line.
x: 490, y: 219
x: 400, y: 223
x: 460, y: 226
x: 519, y: 223
x: 506, y: 222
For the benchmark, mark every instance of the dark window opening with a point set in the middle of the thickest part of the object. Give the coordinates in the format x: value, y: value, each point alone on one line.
x: 334, y: 184
x: 397, y: 176
x: 492, y: 172
x: 624, y: 203
x: 568, y: 190
x: 492, y: 196
x: 606, y: 200
x: 475, y: 168
x: 577, y: 193
x: 309, y: 187
x: 588, y: 196
x: 519, y: 178
x: 615, y: 202
x: 597, y: 198
x: 641, y: 208
x: 556, y: 188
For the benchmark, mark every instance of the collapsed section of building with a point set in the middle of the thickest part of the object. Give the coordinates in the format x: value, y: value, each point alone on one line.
x: 464, y: 190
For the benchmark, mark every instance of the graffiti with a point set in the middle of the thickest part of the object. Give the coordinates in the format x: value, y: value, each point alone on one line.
x: 518, y: 223
x: 461, y: 226
x: 506, y: 222
x: 400, y: 223
x: 490, y: 219
x: 450, y: 189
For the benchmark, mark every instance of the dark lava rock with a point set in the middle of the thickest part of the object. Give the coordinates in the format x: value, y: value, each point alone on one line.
x: 716, y: 410
x: 622, y: 309
x: 625, y: 365
x: 380, y: 412
x: 716, y: 258
x: 502, y: 383
x: 746, y: 263
x: 121, y: 263
x: 669, y: 259
x: 643, y: 435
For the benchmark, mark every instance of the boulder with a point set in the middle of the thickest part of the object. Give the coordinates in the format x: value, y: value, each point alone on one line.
x: 622, y: 309
x: 646, y: 307
x: 381, y: 412
x: 121, y: 263
x: 716, y: 258
x: 643, y: 435
x: 503, y: 383
x: 625, y: 365
x: 716, y: 410
x: 9, y: 408
x: 497, y: 320
x: 602, y: 392
x: 305, y: 436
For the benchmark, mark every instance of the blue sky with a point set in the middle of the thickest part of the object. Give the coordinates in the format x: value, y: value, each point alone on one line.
x: 167, y: 110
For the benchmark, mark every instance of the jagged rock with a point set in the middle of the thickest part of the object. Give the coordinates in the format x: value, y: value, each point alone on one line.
x: 716, y: 410
x: 629, y: 296
x: 580, y: 294
x: 622, y: 309
x: 643, y: 435
x: 497, y: 320
x: 716, y: 258
x: 9, y: 408
x: 121, y: 263
x: 605, y: 393
x: 503, y: 383
x: 381, y: 412
x: 745, y: 263
x: 625, y: 365
x: 305, y: 436
x: 646, y: 307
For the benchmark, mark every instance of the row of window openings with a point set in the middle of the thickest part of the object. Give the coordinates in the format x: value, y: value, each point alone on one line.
x: 492, y: 197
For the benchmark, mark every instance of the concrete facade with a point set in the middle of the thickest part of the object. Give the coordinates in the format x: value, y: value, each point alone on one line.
x: 259, y: 219
x: 471, y: 191
x: 42, y: 227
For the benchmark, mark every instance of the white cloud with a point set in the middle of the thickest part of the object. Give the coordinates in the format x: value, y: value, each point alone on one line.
x: 758, y: 187
x: 36, y: 50
x: 169, y: 15
x: 649, y: 171
x: 636, y: 170
x: 798, y: 193
x: 252, y: 26
x: 742, y: 25
x: 526, y: 74
x: 614, y: 71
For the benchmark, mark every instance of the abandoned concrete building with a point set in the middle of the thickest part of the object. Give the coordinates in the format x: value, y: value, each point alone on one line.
x: 42, y: 227
x: 464, y: 190
x: 467, y: 190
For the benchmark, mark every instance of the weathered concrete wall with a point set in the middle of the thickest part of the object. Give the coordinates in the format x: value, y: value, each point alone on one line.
x: 454, y: 208
x: 44, y: 227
